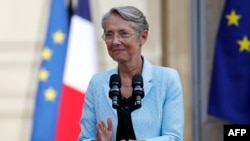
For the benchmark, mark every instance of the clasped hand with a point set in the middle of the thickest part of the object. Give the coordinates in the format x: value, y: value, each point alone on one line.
x: 104, y: 133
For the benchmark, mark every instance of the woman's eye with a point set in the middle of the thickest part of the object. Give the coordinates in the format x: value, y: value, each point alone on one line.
x: 124, y: 34
x: 109, y: 35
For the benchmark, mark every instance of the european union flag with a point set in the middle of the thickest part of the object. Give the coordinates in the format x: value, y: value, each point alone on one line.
x: 51, y: 74
x: 230, y: 83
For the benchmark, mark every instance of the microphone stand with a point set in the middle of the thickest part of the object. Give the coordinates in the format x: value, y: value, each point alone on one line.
x: 127, y: 109
x: 127, y: 121
x: 127, y: 112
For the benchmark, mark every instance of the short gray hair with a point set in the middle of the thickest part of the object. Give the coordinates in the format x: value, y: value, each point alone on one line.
x: 129, y: 13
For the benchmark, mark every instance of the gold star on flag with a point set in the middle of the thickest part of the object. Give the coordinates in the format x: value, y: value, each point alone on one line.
x: 46, y: 53
x: 43, y: 75
x: 58, y: 37
x: 50, y: 94
x: 233, y: 18
x: 244, y: 44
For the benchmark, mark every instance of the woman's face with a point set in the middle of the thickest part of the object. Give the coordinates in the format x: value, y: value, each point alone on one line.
x: 122, y: 39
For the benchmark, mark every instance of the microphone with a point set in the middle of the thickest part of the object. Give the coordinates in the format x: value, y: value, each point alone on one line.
x: 138, y: 92
x: 114, y: 92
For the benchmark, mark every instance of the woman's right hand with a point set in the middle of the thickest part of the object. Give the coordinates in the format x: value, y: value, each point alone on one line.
x: 104, y: 133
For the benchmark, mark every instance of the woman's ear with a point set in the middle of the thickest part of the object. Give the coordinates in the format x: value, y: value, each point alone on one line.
x: 143, y: 37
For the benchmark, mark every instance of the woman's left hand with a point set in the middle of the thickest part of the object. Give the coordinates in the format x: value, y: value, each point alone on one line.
x: 104, y: 133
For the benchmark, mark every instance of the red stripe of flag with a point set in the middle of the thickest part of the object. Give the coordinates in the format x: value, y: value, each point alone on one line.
x: 71, y: 104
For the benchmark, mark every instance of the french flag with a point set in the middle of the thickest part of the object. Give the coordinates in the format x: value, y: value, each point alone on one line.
x: 80, y: 65
x: 68, y: 62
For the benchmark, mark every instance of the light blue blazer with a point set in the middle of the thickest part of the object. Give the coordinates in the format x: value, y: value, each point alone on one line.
x: 161, y: 117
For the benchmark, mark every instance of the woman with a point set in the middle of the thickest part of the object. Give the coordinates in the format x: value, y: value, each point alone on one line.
x: 161, y: 115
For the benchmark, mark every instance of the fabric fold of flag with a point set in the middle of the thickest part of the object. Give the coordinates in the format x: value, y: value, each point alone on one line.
x: 230, y: 83
x: 48, y: 94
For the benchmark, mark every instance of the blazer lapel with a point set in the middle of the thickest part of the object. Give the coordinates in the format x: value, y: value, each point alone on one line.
x: 147, y: 76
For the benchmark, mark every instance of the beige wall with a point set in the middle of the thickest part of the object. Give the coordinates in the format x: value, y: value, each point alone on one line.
x: 22, y: 30
x: 21, y: 34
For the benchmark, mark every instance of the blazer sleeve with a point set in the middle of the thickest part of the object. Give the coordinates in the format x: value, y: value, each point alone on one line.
x: 88, y: 120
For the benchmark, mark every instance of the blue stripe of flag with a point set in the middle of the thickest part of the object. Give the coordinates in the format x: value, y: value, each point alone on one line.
x: 83, y: 9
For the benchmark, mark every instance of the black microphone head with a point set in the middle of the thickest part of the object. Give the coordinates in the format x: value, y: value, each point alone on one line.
x: 115, y: 80
x: 137, y: 80
x: 138, y: 92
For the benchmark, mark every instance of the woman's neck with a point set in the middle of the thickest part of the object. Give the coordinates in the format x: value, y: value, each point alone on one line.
x: 128, y: 70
